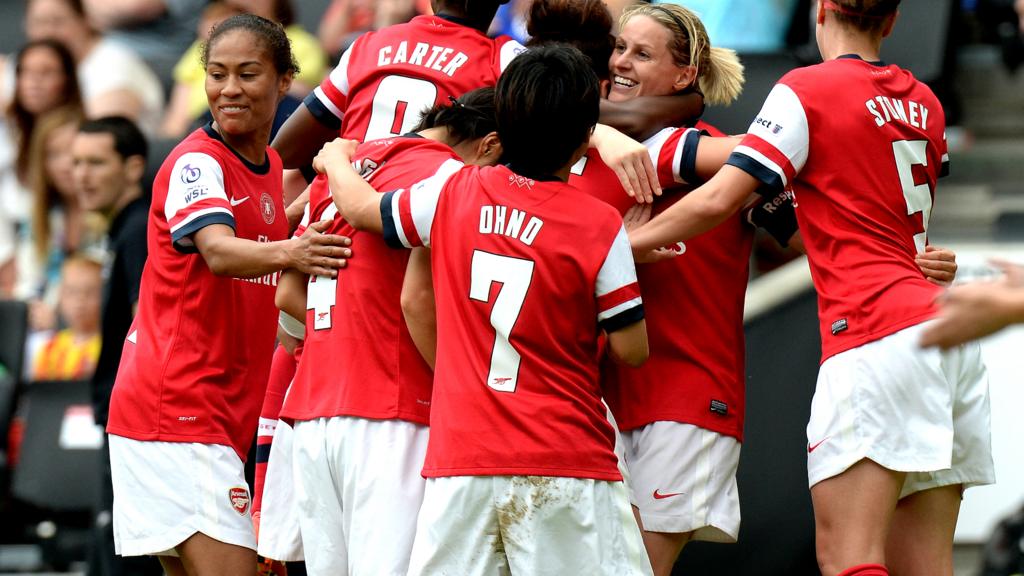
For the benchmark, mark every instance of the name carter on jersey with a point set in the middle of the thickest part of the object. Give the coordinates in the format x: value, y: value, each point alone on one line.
x: 436, y: 60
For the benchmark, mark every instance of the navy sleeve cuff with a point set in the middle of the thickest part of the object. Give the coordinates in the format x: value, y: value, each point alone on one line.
x: 390, y: 233
x: 688, y: 159
x: 182, y: 238
x: 944, y: 170
x: 623, y: 319
x: 321, y: 113
x: 767, y: 176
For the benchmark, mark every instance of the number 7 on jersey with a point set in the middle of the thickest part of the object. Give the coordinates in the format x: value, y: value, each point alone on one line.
x: 514, y: 275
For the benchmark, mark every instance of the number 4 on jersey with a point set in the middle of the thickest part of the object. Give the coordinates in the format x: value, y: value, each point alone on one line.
x: 514, y: 275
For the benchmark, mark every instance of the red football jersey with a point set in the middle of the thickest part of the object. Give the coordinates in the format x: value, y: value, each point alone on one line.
x: 695, y: 373
x: 522, y: 285
x: 197, y: 358
x: 863, y: 145
x: 358, y: 358
x: 387, y: 78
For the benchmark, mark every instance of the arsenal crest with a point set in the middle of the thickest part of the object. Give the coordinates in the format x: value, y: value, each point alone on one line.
x: 267, y: 208
x: 239, y: 499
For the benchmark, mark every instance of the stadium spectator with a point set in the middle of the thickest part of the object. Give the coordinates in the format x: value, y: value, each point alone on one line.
x: 72, y: 352
x: 345, y: 20
x: 184, y: 409
x: 886, y: 476
x: 113, y: 80
x: 58, y: 225
x: 509, y: 373
x: 975, y: 310
x: 360, y: 401
x: 45, y: 80
x: 108, y: 160
x: 158, y: 31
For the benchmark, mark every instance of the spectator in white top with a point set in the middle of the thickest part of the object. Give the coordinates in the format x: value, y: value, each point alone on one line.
x: 113, y: 79
x: 158, y: 31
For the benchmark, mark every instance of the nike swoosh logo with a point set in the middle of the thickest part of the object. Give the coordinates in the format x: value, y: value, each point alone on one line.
x: 237, y: 201
x: 813, y: 447
x: 659, y: 496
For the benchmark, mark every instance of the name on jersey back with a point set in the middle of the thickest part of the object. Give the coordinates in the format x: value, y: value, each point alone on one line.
x: 439, y: 58
x: 510, y: 222
x: 886, y: 109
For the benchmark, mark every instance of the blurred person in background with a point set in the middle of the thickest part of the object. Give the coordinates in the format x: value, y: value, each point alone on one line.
x: 108, y: 161
x: 58, y: 225
x: 113, y: 80
x: 158, y: 31
x: 345, y: 20
x: 45, y: 79
x: 71, y: 353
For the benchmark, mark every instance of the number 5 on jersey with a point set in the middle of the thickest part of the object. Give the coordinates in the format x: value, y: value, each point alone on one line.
x: 514, y: 275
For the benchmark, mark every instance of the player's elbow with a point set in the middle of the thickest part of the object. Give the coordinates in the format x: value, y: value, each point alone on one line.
x: 417, y: 306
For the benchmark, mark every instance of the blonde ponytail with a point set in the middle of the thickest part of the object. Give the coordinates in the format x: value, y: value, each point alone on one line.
x: 722, y: 79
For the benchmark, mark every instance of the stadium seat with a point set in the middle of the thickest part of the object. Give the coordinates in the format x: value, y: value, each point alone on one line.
x: 58, y: 467
x: 14, y: 320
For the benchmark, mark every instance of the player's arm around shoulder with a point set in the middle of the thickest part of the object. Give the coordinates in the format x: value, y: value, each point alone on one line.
x: 357, y: 202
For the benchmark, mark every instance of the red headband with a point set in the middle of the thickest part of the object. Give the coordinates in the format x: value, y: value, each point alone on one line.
x: 830, y: 5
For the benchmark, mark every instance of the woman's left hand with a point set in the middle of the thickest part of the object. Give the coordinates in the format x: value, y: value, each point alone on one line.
x: 938, y: 264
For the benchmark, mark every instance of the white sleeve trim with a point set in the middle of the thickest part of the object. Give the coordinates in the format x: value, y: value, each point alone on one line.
x: 618, y: 269
x: 424, y: 196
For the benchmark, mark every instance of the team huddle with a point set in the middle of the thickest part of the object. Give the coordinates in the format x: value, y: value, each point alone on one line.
x: 509, y: 304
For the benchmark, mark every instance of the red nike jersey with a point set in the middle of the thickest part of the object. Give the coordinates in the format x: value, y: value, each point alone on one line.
x: 695, y: 373
x: 863, y: 209
x: 522, y: 285
x: 358, y: 358
x: 387, y: 78
x: 197, y: 358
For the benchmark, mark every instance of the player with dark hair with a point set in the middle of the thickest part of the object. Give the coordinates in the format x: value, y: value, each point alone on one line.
x: 521, y: 472
x: 886, y: 474
x: 187, y: 396
x: 360, y: 401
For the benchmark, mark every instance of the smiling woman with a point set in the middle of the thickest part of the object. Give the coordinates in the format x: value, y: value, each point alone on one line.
x: 189, y: 388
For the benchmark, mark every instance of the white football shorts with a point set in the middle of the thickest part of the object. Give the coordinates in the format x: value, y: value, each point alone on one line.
x: 279, y: 537
x: 164, y: 492
x: 536, y: 525
x: 920, y: 411
x: 684, y: 480
x: 358, y: 488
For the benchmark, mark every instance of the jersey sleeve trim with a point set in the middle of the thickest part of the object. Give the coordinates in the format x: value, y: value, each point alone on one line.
x: 767, y: 176
x: 627, y: 317
x: 685, y: 160
x: 394, y: 235
x: 617, y: 290
x: 327, y: 115
x: 944, y: 169
x: 181, y: 237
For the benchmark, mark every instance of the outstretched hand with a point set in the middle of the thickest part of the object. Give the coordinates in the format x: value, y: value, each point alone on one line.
x: 975, y: 310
